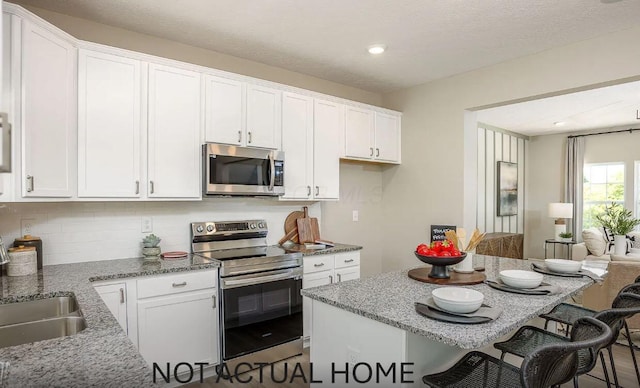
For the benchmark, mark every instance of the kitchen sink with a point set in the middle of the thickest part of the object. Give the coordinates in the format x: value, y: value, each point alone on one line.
x: 38, y: 320
x: 34, y: 310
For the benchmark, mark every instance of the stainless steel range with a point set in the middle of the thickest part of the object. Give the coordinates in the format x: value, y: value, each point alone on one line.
x: 260, y: 301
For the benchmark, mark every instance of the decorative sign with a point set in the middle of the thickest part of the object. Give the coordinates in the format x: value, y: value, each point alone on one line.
x: 438, y: 231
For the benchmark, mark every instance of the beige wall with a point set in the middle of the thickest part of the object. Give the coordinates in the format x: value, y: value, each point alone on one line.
x: 429, y: 187
x: 117, y: 37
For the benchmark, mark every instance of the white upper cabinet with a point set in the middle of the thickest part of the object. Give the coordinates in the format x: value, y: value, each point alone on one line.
x: 372, y: 135
x: 242, y: 114
x: 327, y: 134
x: 224, y: 107
x: 359, y: 139
x: 297, y: 144
x: 48, y: 111
x: 108, y: 125
x: 264, y: 127
x: 174, y: 127
x: 387, y: 137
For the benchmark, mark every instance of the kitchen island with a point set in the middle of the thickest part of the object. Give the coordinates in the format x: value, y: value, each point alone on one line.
x: 373, y: 321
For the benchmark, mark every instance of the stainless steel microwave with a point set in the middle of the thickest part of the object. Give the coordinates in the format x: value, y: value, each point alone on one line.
x: 230, y: 170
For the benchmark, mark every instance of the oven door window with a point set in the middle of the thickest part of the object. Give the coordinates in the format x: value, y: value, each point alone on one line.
x: 233, y: 170
x: 260, y: 316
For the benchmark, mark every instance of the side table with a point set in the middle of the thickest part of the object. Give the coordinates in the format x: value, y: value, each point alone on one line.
x: 554, y: 242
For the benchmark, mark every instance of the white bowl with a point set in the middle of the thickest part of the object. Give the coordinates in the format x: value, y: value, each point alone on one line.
x: 457, y: 299
x: 520, y: 279
x: 563, y: 266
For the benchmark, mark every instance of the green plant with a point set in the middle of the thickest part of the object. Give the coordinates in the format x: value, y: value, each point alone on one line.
x: 617, y: 219
x: 151, y: 241
x: 566, y: 235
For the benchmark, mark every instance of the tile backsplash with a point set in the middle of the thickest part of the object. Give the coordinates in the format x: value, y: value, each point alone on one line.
x: 74, y: 232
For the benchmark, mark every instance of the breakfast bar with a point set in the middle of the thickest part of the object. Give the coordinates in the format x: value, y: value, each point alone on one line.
x: 371, y: 324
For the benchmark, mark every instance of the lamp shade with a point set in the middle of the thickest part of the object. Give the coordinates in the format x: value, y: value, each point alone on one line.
x: 560, y: 210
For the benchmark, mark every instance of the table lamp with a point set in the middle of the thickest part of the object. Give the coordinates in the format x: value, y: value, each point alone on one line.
x: 560, y: 211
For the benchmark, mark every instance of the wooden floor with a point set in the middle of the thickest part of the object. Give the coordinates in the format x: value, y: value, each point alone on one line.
x: 595, y: 378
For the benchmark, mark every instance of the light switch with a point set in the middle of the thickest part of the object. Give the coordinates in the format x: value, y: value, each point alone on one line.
x: 356, y: 216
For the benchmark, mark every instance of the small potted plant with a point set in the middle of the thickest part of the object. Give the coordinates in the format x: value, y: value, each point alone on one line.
x: 620, y: 222
x: 566, y: 237
x: 150, y: 248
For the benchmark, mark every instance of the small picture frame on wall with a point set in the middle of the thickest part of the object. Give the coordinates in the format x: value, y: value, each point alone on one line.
x: 507, y: 189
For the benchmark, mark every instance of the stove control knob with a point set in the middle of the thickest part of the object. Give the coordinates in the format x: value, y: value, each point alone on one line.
x: 252, y: 225
x: 199, y: 229
x: 260, y: 225
x: 209, y: 228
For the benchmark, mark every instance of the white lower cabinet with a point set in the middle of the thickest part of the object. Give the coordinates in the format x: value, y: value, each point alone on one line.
x: 321, y: 270
x: 178, y: 318
x: 115, y: 297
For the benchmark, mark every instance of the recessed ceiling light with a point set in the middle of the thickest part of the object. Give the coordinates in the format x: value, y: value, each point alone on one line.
x: 377, y: 49
x: 559, y: 123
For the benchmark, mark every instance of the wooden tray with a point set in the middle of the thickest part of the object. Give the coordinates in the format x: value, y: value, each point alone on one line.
x: 422, y: 275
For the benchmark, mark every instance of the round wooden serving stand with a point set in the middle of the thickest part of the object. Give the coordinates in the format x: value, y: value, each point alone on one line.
x: 455, y: 278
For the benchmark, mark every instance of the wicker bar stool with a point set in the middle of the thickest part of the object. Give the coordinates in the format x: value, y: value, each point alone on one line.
x: 546, y: 366
x: 567, y: 314
x: 528, y: 338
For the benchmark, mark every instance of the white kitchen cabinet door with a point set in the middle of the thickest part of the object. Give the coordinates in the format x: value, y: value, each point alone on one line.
x: 327, y: 134
x: 264, y: 109
x: 387, y: 137
x: 224, y: 110
x: 109, y: 99
x: 359, y: 132
x: 115, y: 297
x: 348, y: 273
x: 315, y: 279
x: 174, y: 128
x: 48, y: 110
x: 297, y: 144
x: 177, y: 328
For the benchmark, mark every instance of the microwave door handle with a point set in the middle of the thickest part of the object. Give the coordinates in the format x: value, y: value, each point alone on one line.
x: 272, y: 169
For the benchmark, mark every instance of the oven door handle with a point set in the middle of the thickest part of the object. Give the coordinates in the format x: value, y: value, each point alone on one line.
x: 259, y: 279
x: 272, y: 168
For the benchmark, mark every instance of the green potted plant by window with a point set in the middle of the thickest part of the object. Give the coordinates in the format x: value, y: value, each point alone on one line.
x: 566, y: 237
x: 620, y: 222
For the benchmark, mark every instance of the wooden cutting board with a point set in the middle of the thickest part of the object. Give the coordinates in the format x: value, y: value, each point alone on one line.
x: 305, y: 233
x: 315, y: 229
x: 290, y: 224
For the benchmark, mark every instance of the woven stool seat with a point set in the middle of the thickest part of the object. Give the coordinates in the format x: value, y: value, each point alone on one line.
x: 476, y: 369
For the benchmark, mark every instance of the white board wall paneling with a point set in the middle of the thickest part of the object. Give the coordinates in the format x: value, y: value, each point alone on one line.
x: 498, y: 156
x: 513, y: 158
x: 481, y: 165
x: 490, y: 193
x: 521, y: 182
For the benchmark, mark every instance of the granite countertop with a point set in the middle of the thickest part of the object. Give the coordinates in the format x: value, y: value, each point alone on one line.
x: 389, y: 298
x: 102, y: 354
x: 338, y: 248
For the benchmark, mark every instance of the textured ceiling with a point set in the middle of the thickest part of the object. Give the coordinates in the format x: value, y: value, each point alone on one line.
x: 426, y: 39
x: 611, y: 106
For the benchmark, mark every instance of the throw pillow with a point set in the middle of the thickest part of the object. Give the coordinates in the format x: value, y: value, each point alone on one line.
x: 635, y: 239
x: 608, y: 236
x: 595, y: 241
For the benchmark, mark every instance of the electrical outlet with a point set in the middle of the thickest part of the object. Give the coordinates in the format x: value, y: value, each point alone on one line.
x: 146, y: 225
x: 356, y: 216
x: 353, y: 355
x: 26, y: 226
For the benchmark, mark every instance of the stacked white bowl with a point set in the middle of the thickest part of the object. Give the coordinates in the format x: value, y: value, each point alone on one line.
x: 520, y: 279
x: 457, y: 299
x: 563, y: 266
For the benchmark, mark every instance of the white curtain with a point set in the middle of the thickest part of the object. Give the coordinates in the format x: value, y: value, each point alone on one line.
x: 573, y: 182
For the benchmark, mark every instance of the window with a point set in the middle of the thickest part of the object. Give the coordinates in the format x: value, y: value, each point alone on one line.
x: 603, y: 184
x: 636, y: 202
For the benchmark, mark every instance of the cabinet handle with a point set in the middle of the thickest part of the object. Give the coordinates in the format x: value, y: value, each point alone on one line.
x: 239, y: 136
x: 318, y: 265
x: 215, y: 303
x: 137, y: 187
x: 331, y: 278
x: 29, y: 183
x: 377, y: 152
x: 249, y: 137
x: 339, y: 277
x: 122, y: 295
x: 348, y: 261
x: 371, y: 149
x: 308, y: 191
x: 152, y: 186
x: 179, y: 284
x: 317, y: 190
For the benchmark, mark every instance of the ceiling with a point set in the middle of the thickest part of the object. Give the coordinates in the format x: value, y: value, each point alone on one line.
x: 607, y: 107
x: 425, y: 39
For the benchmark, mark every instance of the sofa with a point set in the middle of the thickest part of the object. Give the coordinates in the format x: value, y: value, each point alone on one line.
x: 620, y: 273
